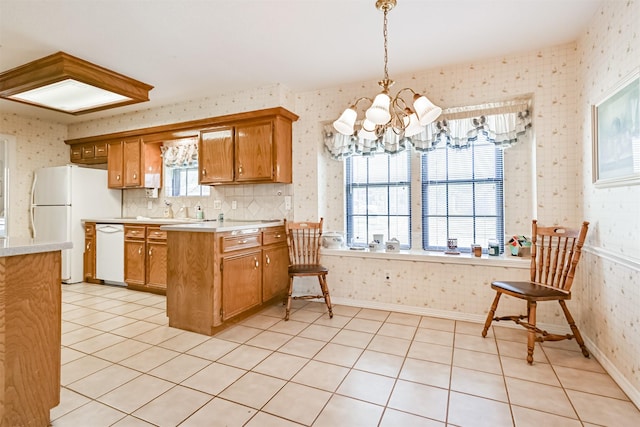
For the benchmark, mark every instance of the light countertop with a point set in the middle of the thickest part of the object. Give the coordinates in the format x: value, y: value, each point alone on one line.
x: 142, y: 220
x: 24, y: 246
x: 226, y: 225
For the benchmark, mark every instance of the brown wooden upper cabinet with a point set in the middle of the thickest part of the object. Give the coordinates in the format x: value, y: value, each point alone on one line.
x: 132, y: 163
x: 89, y: 154
x: 251, y: 151
x: 241, y: 148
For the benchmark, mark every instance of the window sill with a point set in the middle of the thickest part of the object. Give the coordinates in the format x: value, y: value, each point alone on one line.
x: 436, y: 257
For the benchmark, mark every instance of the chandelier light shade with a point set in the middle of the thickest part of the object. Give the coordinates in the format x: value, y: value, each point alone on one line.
x: 387, y: 113
x: 62, y: 82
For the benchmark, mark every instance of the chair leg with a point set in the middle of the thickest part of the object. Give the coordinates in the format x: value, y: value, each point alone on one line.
x: 492, y: 312
x: 288, y: 309
x: 574, y: 328
x: 531, y: 329
x: 325, y: 292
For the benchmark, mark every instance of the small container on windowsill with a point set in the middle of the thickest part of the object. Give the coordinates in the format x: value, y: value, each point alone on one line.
x: 493, y: 248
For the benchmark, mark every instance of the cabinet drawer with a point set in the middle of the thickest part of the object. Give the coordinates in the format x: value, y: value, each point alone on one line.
x: 88, y: 152
x: 154, y: 233
x: 274, y: 235
x: 100, y: 150
x: 134, y: 232
x: 76, y: 153
x: 89, y: 230
x: 233, y: 243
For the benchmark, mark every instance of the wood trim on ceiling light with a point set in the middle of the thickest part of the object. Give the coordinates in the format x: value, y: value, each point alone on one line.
x: 61, y: 66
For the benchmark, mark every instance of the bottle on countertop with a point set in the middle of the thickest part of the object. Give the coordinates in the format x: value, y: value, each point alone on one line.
x: 199, y: 212
x: 168, y: 212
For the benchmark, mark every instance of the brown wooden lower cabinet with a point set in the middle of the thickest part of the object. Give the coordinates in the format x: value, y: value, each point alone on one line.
x: 145, y: 257
x: 30, y: 338
x: 214, y: 278
x: 90, y: 253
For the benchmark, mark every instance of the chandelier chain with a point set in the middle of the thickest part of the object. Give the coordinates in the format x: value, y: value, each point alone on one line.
x: 386, y: 55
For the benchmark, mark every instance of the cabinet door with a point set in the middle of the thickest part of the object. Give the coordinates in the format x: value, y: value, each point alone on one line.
x: 134, y: 261
x: 275, y: 271
x: 241, y: 280
x: 115, y: 166
x: 254, y: 152
x: 157, y: 265
x: 90, y: 252
x: 132, y: 175
x: 215, y: 155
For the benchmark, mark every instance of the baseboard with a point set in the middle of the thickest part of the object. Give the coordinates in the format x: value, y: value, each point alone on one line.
x: 632, y: 392
x: 453, y: 315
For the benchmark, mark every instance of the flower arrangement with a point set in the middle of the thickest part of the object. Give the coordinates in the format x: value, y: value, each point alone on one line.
x: 520, y: 245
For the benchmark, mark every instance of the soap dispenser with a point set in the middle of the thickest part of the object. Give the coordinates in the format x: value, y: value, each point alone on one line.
x: 199, y: 212
x: 168, y: 212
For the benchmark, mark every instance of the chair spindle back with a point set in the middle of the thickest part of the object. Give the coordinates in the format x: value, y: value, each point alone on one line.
x: 304, y: 239
x: 555, y: 252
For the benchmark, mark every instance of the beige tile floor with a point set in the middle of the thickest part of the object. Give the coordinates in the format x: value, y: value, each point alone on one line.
x: 122, y: 365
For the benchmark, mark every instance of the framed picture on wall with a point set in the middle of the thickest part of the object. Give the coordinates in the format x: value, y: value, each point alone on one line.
x: 616, y: 135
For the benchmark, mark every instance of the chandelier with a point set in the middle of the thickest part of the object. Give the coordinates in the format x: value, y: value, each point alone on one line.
x: 385, y: 112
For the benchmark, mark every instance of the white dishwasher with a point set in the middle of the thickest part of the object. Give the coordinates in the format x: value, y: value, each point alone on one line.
x: 110, y: 253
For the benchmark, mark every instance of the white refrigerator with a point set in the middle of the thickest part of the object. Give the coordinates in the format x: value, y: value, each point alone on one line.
x: 61, y: 197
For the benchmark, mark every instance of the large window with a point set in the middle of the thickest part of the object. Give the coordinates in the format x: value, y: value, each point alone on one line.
x: 462, y: 195
x: 378, y: 193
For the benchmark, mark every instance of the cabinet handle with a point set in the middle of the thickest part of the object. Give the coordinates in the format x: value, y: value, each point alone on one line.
x: 256, y: 261
x: 88, y: 245
x: 204, y: 172
x: 135, y: 176
x: 139, y: 251
x: 278, y: 236
x: 117, y: 177
x: 243, y: 241
x: 150, y: 251
x: 240, y: 169
x: 268, y: 260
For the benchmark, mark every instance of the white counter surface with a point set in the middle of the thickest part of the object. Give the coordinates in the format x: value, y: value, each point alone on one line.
x: 226, y: 225
x: 24, y: 246
x: 143, y: 220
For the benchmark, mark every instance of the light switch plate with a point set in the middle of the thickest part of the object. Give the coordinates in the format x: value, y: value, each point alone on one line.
x: 287, y: 203
x: 234, y: 205
x: 217, y: 204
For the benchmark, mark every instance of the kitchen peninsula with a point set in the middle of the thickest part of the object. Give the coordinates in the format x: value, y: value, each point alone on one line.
x: 30, y: 332
x: 220, y: 272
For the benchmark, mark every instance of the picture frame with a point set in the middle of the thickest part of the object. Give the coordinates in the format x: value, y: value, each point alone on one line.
x: 616, y: 134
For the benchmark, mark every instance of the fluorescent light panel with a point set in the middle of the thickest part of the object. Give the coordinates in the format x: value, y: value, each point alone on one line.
x: 70, y: 96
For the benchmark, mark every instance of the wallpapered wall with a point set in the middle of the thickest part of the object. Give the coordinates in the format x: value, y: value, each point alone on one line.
x: 38, y: 144
x: 607, y: 52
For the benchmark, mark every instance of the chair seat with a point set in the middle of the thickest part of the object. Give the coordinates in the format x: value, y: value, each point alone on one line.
x: 308, y: 269
x: 530, y: 290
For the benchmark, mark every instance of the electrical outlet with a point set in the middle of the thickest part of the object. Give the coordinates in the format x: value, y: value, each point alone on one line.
x: 287, y: 203
x: 217, y: 204
x: 150, y: 204
x: 234, y: 205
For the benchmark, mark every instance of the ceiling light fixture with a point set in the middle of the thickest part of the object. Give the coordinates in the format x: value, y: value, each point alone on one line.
x: 386, y: 112
x: 71, y: 85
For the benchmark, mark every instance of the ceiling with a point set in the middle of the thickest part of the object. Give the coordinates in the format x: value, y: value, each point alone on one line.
x: 190, y: 49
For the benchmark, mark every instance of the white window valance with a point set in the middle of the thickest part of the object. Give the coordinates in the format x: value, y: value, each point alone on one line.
x: 501, y: 123
x: 183, y: 153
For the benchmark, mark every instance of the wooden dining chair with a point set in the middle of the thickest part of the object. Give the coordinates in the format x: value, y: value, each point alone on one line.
x: 304, y: 239
x: 555, y: 252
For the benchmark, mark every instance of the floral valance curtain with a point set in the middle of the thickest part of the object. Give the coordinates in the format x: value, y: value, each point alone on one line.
x: 501, y: 123
x: 180, y: 154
